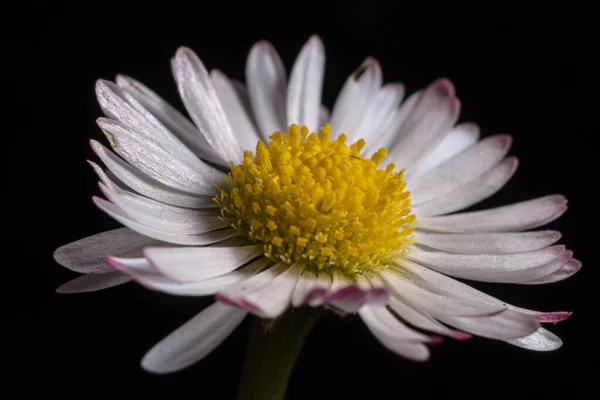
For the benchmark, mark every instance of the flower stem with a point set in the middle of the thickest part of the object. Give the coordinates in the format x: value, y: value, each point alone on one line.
x: 272, y: 351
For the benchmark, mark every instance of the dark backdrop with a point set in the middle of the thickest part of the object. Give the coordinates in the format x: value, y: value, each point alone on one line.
x: 515, y: 72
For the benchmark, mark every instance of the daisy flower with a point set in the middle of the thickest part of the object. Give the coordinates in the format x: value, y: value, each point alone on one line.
x: 274, y: 206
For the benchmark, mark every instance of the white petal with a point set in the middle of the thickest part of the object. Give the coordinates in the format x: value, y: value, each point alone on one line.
x: 442, y: 284
x: 238, y: 118
x: 87, y: 255
x: 433, y: 115
x: 271, y: 300
x: 461, y: 137
x: 232, y: 293
x: 306, y: 82
x: 188, y: 264
x: 323, y: 115
x: 93, y: 282
x: 151, y: 278
x: 421, y: 319
x: 411, y: 350
x: 146, y: 185
x: 156, y: 162
x: 178, y: 124
x: 307, y: 283
x: 162, y: 217
x: 513, y: 217
x: 123, y: 107
x: 354, y: 97
x: 349, y: 296
x: 380, y: 319
x: 190, y: 240
x: 392, y: 132
x: 435, y: 303
x: 568, y: 270
x: 461, y: 169
x: 194, y: 340
x: 507, y: 325
x: 488, y: 243
x: 382, y: 108
x: 540, y: 340
x: 486, y: 267
x: 470, y: 193
x: 267, y: 88
x: 202, y: 103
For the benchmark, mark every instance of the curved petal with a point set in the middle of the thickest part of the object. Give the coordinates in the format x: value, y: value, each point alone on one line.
x: 272, y: 299
x: 568, y: 270
x: 380, y: 319
x: 151, y: 278
x: 460, y: 169
x: 507, y: 325
x: 540, y: 340
x: 421, y: 319
x: 460, y: 138
x: 433, y: 115
x: 488, y: 243
x: 486, y: 267
x: 470, y: 193
x: 306, y: 83
x: 87, y: 255
x: 189, y: 264
x: 156, y: 162
x: 354, y: 97
x: 381, y: 109
x: 163, y: 217
x: 189, y: 240
x: 444, y: 285
x: 513, y: 217
x: 267, y: 88
x: 146, y: 185
x: 194, y: 340
x: 240, y: 121
x: 172, y: 119
x: 435, y: 303
x: 121, y: 106
x: 93, y: 282
x: 411, y: 350
x: 202, y: 103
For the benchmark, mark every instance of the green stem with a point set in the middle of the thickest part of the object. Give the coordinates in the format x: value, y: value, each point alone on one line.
x: 272, y: 351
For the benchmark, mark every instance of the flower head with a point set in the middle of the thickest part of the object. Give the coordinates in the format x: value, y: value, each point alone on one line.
x: 269, y: 202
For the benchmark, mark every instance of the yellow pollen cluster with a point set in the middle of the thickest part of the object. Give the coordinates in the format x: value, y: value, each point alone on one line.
x: 311, y: 199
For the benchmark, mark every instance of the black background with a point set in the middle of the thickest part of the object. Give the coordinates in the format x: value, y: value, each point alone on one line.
x: 516, y: 72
